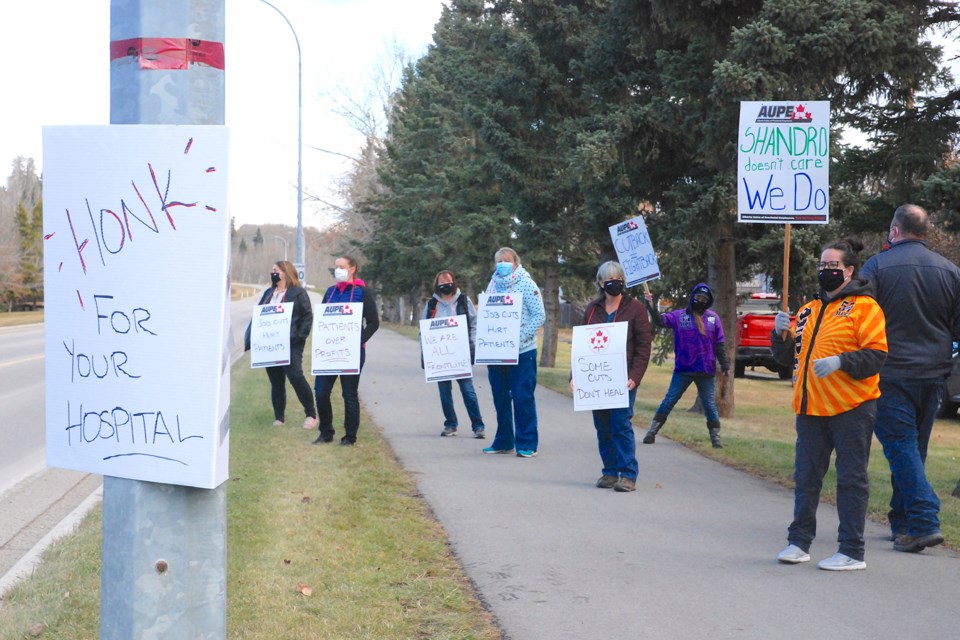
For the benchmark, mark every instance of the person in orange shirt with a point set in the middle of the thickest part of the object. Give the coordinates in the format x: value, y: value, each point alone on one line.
x: 836, y: 351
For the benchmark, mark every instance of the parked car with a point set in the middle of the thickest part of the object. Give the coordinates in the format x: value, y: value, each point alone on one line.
x: 755, y: 320
x: 951, y: 394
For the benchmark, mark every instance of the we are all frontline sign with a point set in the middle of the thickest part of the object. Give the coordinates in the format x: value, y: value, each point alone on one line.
x: 783, y: 162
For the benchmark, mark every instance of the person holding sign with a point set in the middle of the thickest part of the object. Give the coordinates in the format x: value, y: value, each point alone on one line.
x: 286, y: 288
x: 836, y: 352
x: 697, y: 346
x: 447, y: 302
x: 614, y: 427
x: 348, y: 288
x: 513, y: 386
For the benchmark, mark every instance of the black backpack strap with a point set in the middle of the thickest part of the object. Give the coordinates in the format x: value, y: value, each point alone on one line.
x: 431, y: 308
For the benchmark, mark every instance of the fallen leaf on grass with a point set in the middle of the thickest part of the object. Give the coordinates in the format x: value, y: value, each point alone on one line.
x: 37, y: 629
x: 305, y: 589
x: 305, y: 500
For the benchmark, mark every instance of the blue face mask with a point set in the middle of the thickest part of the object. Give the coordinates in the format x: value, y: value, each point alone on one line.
x: 504, y: 269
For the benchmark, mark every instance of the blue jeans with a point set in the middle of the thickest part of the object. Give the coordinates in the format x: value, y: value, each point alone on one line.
x: 848, y: 433
x: 905, y: 413
x: 349, y: 387
x: 513, y: 388
x: 706, y: 389
x: 618, y: 450
x: 445, y: 387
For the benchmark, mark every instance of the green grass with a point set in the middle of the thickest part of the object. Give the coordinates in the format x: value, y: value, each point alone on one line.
x: 15, y: 318
x: 344, y: 523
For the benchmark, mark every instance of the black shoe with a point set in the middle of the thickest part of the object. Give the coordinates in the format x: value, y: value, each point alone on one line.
x: 347, y: 442
x: 323, y: 439
x: 448, y: 431
x: 479, y: 434
x: 914, y: 544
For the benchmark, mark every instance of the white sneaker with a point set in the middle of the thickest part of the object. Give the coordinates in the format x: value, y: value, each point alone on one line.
x: 841, y: 562
x: 793, y: 555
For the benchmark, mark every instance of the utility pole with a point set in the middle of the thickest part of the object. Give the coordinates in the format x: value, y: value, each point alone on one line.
x: 164, y: 546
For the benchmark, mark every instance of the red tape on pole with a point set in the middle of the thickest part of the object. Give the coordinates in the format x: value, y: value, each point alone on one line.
x: 169, y: 53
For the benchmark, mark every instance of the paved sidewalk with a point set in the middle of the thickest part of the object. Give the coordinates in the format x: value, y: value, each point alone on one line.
x: 690, y: 554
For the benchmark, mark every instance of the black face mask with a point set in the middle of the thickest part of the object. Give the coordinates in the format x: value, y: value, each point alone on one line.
x: 275, y: 278
x: 445, y: 289
x: 613, y: 287
x: 830, y: 279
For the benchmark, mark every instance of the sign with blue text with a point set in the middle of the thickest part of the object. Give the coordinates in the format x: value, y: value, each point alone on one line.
x: 445, y: 346
x: 336, y: 338
x: 136, y: 239
x: 783, y: 162
x: 270, y: 335
x: 598, y: 360
x: 498, y: 328
x: 635, y: 251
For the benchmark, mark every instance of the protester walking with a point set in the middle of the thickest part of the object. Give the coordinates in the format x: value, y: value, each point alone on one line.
x: 285, y: 288
x: 698, y: 345
x: 919, y: 292
x: 513, y: 386
x: 348, y: 288
x: 614, y: 427
x: 448, y: 301
x: 835, y: 351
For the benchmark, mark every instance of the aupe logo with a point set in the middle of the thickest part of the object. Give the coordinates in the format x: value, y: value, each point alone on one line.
x: 627, y: 227
x: 500, y: 301
x: 337, y: 310
x: 783, y: 113
x: 271, y: 309
x: 443, y: 323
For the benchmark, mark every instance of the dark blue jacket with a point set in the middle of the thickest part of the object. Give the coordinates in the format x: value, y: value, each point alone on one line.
x: 356, y: 291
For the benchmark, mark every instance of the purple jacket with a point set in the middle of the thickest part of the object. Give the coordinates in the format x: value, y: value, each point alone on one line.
x: 695, y: 352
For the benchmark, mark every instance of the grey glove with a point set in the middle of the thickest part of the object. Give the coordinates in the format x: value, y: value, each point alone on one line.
x: 782, y: 322
x: 825, y: 366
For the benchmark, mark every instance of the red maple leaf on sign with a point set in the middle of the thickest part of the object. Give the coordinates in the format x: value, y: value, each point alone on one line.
x: 801, y: 113
x: 599, y: 340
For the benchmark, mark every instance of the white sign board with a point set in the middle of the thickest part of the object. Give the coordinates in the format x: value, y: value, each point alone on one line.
x: 783, y: 162
x: 445, y: 346
x: 270, y: 335
x: 336, y: 338
x: 635, y: 251
x: 498, y: 328
x: 136, y: 286
x: 598, y: 360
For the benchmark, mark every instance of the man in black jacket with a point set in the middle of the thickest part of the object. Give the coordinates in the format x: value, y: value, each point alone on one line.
x: 919, y: 291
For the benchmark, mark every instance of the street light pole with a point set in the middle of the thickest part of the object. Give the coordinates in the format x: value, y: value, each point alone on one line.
x: 284, y: 241
x: 301, y: 262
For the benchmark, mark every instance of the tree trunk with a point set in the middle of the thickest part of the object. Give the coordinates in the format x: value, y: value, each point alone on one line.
x: 722, y: 277
x: 551, y: 305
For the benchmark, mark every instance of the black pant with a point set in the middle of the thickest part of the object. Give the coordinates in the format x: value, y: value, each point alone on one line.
x: 349, y: 387
x: 293, y: 372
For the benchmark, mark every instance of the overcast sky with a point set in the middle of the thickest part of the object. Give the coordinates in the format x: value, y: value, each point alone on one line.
x: 57, y: 72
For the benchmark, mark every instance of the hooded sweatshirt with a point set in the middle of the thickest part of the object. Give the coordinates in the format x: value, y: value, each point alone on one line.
x: 532, y: 315
x: 694, y: 352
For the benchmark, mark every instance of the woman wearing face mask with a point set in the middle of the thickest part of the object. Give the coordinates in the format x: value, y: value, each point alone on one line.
x: 614, y: 427
x: 836, y: 351
x: 513, y: 386
x: 697, y: 347
x: 349, y: 288
x: 447, y: 301
x: 286, y: 288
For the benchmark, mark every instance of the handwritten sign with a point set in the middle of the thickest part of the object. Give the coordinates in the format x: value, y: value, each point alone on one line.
x: 445, y: 345
x: 136, y: 252
x: 783, y: 162
x: 336, y: 338
x: 270, y: 335
x: 498, y: 328
x: 635, y: 251
x: 598, y: 359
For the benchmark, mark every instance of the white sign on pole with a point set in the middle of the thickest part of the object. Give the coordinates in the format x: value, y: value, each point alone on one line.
x: 498, y: 328
x: 783, y: 162
x: 270, y: 335
x: 336, y: 338
x: 301, y: 273
x: 598, y: 359
x: 445, y: 346
x: 136, y: 258
x: 635, y: 251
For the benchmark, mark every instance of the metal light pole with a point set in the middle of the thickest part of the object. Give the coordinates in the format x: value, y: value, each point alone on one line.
x: 301, y: 260
x: 284, y: 241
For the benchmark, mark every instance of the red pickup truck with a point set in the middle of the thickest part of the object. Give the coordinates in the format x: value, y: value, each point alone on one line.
x: 755, y: 319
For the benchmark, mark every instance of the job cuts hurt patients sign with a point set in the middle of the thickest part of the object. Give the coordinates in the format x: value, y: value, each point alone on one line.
x: 498, y: 328
x: 136, y: 253
x: 270, y: 335
x: 336, y: 338
x: 783, y: 162
x: 445, y: 346
x: 635, y: 251
x: 598, y: 360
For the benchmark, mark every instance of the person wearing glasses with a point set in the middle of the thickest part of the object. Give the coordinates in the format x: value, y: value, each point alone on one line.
x: 836, y: 351
x: 919, y: 292
x: 698, y: 345
x: 286, y: 288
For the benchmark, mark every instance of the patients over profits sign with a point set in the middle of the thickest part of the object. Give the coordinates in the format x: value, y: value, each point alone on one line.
x: 783, y: 162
